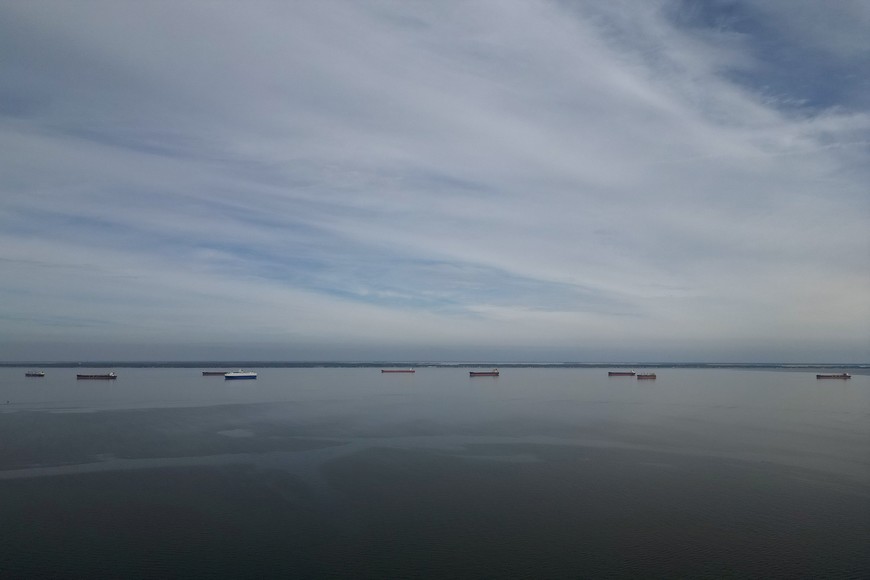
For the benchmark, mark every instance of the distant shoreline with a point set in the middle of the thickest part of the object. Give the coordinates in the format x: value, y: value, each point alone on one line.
x: 859, y: 368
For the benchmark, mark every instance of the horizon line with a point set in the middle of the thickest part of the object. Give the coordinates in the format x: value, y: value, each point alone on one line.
x: 373, y: 363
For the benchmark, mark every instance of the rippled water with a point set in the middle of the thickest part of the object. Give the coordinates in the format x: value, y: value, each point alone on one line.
x: 541, y: 472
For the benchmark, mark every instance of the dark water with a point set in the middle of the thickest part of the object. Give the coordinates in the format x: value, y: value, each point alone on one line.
x: 342, y: 472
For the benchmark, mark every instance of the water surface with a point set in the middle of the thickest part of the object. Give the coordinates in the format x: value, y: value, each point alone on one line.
x: 541, y: 472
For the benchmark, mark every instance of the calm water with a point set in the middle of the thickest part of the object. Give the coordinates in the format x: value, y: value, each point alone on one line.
x: 330, y: 472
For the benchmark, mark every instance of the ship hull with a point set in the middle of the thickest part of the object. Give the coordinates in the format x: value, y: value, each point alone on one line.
x: 240, y: 376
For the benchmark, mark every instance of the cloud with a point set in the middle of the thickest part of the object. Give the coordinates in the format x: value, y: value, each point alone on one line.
x: 459, y: 178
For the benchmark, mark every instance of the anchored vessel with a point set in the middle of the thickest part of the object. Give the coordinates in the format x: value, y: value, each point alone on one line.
x: 105, y: 376
x: 239, y: 375
x: 492, y: 373
x: 646, y: 376
x: 34, y: 374
x: 835, y: 376
x: 398, y: 371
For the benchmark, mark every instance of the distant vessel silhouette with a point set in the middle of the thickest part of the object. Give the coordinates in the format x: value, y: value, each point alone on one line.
x: 492, y: 373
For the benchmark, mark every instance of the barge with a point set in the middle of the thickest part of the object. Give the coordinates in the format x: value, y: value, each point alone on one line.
x: 98, y: 377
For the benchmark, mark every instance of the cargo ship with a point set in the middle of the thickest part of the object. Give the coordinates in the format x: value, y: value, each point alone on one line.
x: 240, y: 375
x: 34, y: 374
x: 621, y: 373
x: 213, y: 373
x: 492, y: 373
x: 398, y: 371
x: 105, y: 377
x: 646, y: 376
x: 835, y: 376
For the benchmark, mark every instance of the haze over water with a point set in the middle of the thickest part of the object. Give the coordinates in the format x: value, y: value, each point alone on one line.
x: 541, y: 472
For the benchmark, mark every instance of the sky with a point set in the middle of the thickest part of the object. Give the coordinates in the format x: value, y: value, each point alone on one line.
x: 457, y: 181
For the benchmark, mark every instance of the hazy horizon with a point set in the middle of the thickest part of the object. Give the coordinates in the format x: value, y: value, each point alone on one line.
x: 672, y: 180
x: 513, y: 361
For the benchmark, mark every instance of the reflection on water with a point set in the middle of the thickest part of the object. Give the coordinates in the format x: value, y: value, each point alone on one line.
x: 350, y: 472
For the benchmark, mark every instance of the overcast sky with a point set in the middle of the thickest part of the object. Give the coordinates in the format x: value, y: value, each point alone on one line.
x: 470, y: 180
